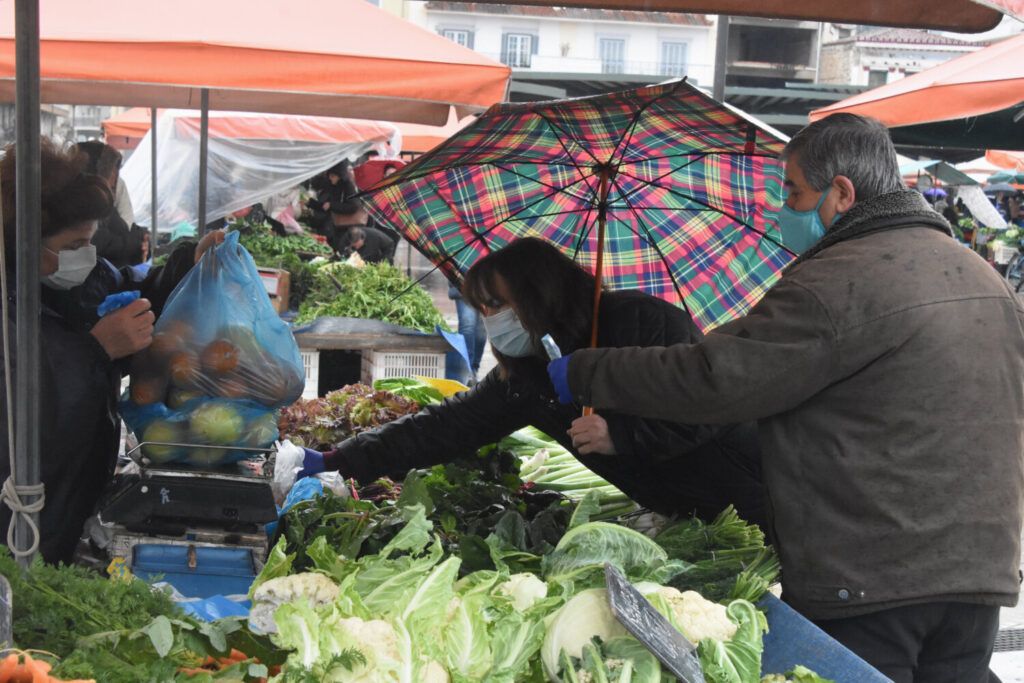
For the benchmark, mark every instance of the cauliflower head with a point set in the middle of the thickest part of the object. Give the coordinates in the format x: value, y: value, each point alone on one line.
x: 697, y: 617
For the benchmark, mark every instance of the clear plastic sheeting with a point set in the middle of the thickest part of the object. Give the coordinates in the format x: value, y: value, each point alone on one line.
x: 981, y: 207
x: 251, y: 157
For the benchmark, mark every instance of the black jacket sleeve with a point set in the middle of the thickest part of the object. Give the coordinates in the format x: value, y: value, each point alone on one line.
x: 161, y: 280
x: 437, y: 434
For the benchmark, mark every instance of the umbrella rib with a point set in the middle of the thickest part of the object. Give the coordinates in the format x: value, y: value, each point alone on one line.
x: 652, y: 242
x: 627, y: 136
x: 625, y: 197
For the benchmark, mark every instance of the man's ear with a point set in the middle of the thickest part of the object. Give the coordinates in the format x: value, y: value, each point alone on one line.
x: 846, y: 194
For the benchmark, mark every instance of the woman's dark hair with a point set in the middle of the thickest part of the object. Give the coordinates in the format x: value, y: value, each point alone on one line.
x: 550, y: 293
x: 103, y: 159
x: 69, y: 196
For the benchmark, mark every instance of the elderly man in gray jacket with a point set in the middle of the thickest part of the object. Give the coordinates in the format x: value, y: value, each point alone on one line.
x: 886, y: 372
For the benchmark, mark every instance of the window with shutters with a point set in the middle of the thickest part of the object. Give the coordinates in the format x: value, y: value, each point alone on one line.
x: 613, y: 55
x: 519, y: 47
x: 460, y: 36
x: 673, y: 59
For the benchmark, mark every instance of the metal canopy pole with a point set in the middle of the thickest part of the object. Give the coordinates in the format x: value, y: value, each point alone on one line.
x: 204, y: 128
x: 152, y: 182
x: 721, y: 57
x: 27, y: 197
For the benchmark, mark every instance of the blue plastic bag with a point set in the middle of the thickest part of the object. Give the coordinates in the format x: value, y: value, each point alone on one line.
x: 221, y: 363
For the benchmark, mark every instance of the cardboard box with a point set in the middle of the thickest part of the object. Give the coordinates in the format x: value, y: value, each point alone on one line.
x: 277, y: 282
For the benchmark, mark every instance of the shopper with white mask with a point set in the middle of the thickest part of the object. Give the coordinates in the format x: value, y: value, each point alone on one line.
x: 82, y: 354
x: 525, y: 291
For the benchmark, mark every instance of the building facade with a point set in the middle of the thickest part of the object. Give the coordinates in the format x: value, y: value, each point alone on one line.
x: 872, y: 57
x: 562, y: 40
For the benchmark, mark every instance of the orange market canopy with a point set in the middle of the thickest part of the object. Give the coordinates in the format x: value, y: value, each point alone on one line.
x: 337, y: 58
x: 418, y: 138
x: 974, y: 101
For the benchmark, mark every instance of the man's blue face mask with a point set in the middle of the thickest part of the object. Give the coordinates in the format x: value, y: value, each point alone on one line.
x: 802, y: 229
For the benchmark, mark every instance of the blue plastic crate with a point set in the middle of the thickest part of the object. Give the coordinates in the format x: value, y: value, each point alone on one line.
x: 218, y: 570
x: 793, y: 640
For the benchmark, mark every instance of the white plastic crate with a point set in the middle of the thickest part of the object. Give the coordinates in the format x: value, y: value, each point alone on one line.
x: 311, y: 370
x: 387, y: 364
x: 1003, y: 254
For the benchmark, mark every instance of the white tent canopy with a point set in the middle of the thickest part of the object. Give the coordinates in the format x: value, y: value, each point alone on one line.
x: 251, y: 157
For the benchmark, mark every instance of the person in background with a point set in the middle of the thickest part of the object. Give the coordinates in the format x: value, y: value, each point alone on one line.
x: 471, y: 327
x: 337, y: 199
x: 524, y: 291
x: 894, y: 462
x: 372, y: 245
x: 120, y: 242
x: 82, y: 354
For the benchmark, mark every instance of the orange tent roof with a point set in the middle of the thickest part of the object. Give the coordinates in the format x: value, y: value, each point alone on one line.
x: 978, y: 83
x: 417, y: 137
x: 124, y: 130
x: 1006, y: 159
x: 135, y: 122
x: 338, y: 58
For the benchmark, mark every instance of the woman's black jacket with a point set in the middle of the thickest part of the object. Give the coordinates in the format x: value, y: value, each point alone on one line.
x: 668, y: 467
x: 77, y: 397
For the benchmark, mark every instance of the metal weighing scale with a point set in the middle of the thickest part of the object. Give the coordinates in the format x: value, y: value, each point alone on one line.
x: 202, y: 528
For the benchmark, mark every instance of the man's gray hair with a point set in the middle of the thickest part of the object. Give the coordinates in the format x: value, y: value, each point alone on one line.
x: 849, y: 145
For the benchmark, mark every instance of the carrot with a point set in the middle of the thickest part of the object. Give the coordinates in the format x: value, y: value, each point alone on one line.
x: 7, y: 666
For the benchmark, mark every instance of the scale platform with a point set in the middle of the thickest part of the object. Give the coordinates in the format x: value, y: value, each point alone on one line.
x: 170, y: 498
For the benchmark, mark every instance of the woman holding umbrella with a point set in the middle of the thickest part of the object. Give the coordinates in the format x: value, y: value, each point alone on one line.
x: 525, y: 291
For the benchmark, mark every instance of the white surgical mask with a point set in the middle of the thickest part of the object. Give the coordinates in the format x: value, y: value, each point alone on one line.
x: 73, y: 267
x: 508, y: 334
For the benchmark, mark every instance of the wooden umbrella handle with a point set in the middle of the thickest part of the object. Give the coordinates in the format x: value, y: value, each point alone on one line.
x: 602, y: 209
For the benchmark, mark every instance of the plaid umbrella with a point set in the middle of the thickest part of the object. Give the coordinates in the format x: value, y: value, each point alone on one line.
x: 661, y: 189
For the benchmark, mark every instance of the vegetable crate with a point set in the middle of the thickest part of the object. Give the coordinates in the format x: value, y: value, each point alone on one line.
x: 311, y: 370
x: 388, y: 364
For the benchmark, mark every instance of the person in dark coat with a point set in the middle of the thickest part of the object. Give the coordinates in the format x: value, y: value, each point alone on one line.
x: 115, y: 240
x: 529, y: 289
x: 336, y: 199
x: 82, y: 354
x: 894, y: 462
x: 371, y: 244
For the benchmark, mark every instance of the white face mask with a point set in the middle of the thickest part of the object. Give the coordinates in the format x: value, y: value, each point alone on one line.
x: 508, y: 334
x: 73, y: 267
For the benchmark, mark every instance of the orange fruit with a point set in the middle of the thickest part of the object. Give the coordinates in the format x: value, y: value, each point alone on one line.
x: 184, y: 368
x: 220, y: 357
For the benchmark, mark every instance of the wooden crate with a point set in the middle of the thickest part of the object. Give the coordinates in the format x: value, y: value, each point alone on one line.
x: 277, y: 282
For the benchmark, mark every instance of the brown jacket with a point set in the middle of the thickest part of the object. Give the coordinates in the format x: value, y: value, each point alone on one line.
x: 886, y: 372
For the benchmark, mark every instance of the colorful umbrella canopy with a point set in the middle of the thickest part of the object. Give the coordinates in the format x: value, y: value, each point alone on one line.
x: 691, y: 190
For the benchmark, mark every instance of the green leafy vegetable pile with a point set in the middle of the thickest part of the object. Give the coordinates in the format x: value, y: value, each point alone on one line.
x: 55, y: 605
x: 378, y: 291
x: 323, y: 423
x: 477, y: 506
x: 729, y: 557
x: 273, y: 251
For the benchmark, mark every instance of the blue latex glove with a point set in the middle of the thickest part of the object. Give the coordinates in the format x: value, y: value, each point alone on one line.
x: 312, y: 464
x: 558, y: 371
x: 116, y: 301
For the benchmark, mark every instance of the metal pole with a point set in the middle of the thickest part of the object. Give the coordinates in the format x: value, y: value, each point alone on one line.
x: 27, y: 197
x: 721, y: 57
x: 152, y: 182
x: 204, y: 129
